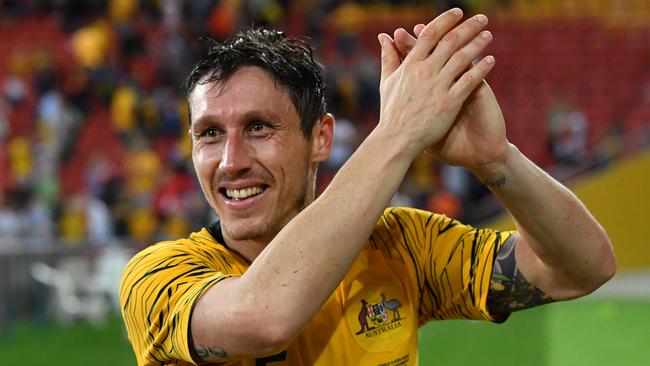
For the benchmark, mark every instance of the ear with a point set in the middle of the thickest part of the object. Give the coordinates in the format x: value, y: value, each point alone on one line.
x: 322, y: 138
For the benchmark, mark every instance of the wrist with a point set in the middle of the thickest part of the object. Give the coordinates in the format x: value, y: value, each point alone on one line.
x: 394, y: 144
x: 493, y: 174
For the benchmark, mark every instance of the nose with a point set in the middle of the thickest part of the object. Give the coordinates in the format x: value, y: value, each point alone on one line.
x: 236, y: 157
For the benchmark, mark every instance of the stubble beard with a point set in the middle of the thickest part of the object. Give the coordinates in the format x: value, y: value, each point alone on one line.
x: 267, y: 230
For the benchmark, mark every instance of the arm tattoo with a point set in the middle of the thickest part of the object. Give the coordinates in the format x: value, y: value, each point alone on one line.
x: 509, y: 289
x: 206, y: 352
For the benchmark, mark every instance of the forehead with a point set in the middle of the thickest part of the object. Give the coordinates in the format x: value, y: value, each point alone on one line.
x: 248, y: 89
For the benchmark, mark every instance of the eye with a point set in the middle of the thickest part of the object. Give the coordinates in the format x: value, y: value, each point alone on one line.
x: 259, y: 129
x: 210, y: 133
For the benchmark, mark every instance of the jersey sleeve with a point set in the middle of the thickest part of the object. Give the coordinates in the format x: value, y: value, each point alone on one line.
x: 453, y: 262
x: 158, y: 291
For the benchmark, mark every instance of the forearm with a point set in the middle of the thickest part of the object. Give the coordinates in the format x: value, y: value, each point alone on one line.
x: 314, y: 251
x: 300, y: 268
x: 564, y: 249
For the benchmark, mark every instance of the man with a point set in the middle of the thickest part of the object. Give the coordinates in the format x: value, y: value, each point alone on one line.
x: 284, y: 278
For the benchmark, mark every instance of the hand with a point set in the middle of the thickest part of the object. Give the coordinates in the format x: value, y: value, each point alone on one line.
x: 477, y: 137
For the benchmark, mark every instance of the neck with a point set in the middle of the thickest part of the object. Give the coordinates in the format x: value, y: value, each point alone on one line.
x: 249, y: 249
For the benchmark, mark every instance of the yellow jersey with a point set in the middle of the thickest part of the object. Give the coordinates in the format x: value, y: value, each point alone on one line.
x: 417, y: 266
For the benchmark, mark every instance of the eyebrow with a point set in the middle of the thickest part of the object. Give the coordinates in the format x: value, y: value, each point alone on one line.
x: 252, y: 115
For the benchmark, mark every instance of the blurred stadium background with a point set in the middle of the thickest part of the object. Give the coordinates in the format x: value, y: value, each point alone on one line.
x: 94, y: 158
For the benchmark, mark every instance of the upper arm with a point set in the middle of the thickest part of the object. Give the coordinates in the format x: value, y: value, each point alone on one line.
x: 159, y: 288
x: 452, y: 262
x: 231, y: 322
x: 509, y: 289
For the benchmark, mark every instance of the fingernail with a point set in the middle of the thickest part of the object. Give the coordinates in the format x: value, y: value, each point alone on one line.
x: 481, y: 18
x: 486, y: 34
x: 489, y: 59
x: 456, y: 11
x: 381, y: 40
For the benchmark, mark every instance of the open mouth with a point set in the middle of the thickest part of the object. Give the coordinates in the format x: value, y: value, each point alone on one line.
x: 242, y: 194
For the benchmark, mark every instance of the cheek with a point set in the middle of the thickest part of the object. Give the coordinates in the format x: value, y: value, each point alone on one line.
x: 294, y: 171
x: 287, y: 164
x: 205, y: 161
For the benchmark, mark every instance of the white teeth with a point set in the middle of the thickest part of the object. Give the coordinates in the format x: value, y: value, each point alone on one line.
x: 241, y: 194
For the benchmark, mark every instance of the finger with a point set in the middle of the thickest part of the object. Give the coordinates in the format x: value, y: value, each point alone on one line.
x: 456, y: 39
x: 470, y: 80
x: 431, y: 34
x: 389, y: 58
x: 462, y: 59
x: 418, y: 29
x: 403, y: 41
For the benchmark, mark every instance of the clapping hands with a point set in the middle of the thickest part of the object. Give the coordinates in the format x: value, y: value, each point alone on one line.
x: 435, y: 96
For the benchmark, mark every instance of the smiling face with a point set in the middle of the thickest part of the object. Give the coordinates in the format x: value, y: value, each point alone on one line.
x: 254, y: 165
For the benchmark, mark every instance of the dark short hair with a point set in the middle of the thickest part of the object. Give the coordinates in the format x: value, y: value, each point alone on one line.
x: 290, y: 61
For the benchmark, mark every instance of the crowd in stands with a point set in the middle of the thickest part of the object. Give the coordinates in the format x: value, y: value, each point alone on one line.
x: 94, y: 147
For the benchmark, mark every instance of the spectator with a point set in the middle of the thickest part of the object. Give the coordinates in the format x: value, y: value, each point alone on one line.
x: 143, y: 169
x: 91, y: 44
x: 20, y: 159
x: 4, y: 125
x: 568, y: 134
x: 24, y: 219
x: 346, y: 140
x: 99, y: 224
x: 15, y: 90
x: 123, y: 110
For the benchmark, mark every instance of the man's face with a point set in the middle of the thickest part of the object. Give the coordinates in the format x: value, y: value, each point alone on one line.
x: 254, y: 165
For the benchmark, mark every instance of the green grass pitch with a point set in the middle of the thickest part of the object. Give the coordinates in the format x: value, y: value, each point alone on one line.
x: 590, y: 332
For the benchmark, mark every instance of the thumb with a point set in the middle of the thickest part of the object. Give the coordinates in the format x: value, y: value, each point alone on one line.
x: 389, y: 56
